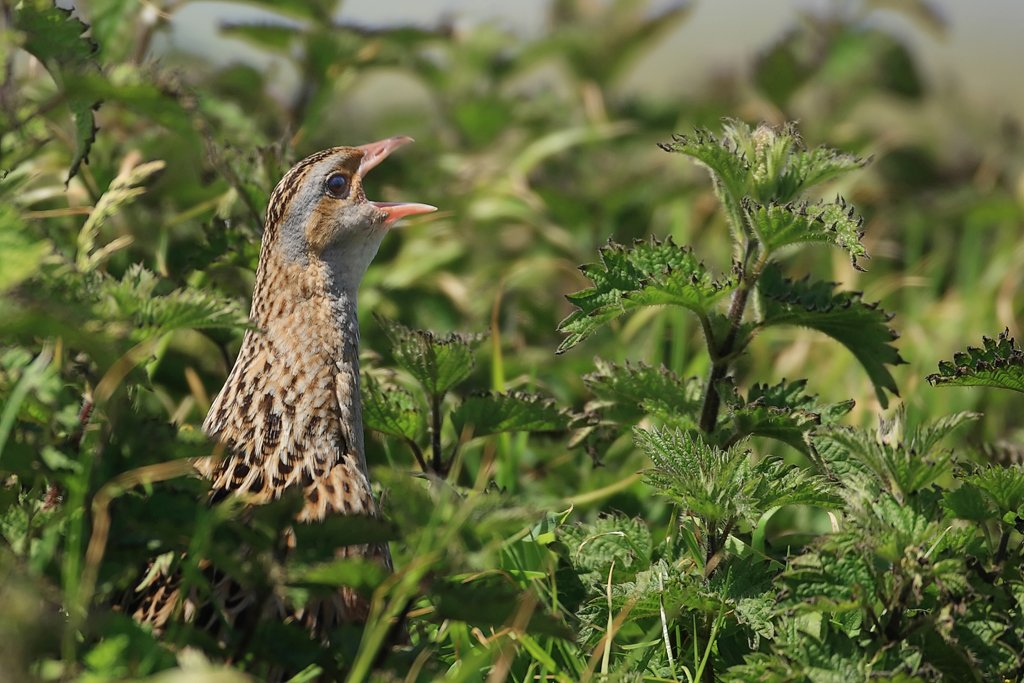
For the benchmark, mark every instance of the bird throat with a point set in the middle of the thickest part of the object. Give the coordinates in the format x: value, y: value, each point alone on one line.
x: 289, y: 413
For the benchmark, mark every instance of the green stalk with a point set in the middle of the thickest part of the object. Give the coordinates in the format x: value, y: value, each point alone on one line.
x: 435, y: 434
x: 722, y: 356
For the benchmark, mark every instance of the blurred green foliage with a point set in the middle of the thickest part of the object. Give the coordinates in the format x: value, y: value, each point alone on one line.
x: 133, y: 184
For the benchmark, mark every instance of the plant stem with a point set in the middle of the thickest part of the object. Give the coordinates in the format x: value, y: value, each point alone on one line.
x: 1004, y: 541
x: 417, y: 453
x: 435, y: 434
x: 722, y: 356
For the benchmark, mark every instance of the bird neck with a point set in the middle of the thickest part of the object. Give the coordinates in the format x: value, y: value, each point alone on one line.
x: 308, y: 314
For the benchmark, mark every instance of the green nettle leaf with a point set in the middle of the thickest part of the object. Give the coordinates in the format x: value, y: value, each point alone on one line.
x: 496, y: 413
x: 774, y: 483
x: 651, y: 273
x: 926, y: 436
x: 361, y: 574
x: 729, y: 168
x: 615, y: 538
x: 998, y: 363
x: 1004, y: 486
x: 781, y: 166
x: 705, y: 479
x: 807, y: 168
x: 662, y: 586
x: 905, y: 463
x: 123, y: 190
x: 493, y: 602
x: 861, y: 327
x: 57, y: 39
x: 390, y: 409
x: 781, y: 411
x: 134, y: 298
x: 722, y: 485
x: 22, y: 253
x: 757, y: 612
x: 897, y: 529
x: 903, y: 470
x: 768, y: 164
x: 967, y: 502
x: 438, y: 363
x: 626, y: 393
x: 780, y: 225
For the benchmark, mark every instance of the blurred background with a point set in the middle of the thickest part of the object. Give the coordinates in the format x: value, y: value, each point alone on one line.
x: 971, y: 49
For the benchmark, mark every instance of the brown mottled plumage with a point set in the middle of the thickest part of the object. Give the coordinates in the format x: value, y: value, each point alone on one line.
x: 289, y: 413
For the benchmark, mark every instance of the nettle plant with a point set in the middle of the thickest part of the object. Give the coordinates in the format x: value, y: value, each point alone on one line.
x: 910, y: 568
x: 711, y: 580
x: 408, y: 402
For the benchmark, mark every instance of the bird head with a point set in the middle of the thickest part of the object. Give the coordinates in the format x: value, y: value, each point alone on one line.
x: 319, y: 210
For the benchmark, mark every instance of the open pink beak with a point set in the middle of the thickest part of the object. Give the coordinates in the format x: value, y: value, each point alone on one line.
x: 373, y: 154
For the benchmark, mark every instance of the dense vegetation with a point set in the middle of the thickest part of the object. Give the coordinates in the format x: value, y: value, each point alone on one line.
x: 711, y: 479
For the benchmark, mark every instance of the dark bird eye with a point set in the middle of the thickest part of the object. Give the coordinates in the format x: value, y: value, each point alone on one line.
x: 337, y: 185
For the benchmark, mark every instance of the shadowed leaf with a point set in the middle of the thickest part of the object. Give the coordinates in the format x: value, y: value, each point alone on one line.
x: 492, y: 413
x: 438, y: 363
x: 495, y: 602
x: 392, y: 410
x: 22, y: 253
x: 626, y: 393
x: 781, y: 411
x: 359, y: 573
x: 861, y: 327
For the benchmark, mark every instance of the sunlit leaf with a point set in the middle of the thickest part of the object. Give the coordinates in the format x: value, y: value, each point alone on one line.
x: 123, y: 189
x: 22, y: 253
x: 135, y: 297
x: 57, y: 39
x: 650, y: 273
x: 730, y: 169
x: 768, y: 164
x: 837, y: 224
x: 905, y: 463
x: 721, y: 485
x: 997, y: 363
x: 806, y: 168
